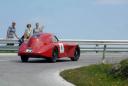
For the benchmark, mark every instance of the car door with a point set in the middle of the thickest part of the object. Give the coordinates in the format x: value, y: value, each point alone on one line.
x: 61, y: 46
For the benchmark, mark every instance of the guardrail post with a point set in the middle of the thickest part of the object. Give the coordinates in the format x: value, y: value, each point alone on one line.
x: 104, y: 52
x: 96, y: 48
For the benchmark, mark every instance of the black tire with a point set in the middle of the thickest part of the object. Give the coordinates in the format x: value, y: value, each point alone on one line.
x: 24, y: 58
x: 54, y: 55
x: 76, y: 54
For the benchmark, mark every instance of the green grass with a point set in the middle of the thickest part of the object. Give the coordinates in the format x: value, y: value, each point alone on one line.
x: 94, y: 75
x: 8, y: 51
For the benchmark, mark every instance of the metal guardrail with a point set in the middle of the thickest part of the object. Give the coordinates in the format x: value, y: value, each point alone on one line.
x: 85, y: 45
x: 98, y: 42
x: 101, y: 46
x: 5, y: 47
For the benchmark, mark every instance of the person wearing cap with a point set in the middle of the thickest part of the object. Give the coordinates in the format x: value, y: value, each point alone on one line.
x: 11, y: 33
x: 37, y: 29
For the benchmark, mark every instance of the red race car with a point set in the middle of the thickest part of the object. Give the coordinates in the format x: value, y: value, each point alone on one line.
x: 47, y: 45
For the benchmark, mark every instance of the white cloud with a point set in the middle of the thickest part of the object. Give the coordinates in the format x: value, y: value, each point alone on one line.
x: 112, y: 1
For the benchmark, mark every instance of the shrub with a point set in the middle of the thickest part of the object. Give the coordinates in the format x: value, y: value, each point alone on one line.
x: 115, y: 70
x: 124, y: 69
x: 120, y: 70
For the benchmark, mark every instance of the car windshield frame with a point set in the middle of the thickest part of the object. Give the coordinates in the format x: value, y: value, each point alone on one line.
x: 55, y: 39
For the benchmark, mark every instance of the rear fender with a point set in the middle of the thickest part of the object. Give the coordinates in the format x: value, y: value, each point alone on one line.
x: 71, y: 51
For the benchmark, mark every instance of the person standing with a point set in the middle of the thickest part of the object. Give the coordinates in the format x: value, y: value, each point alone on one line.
x: 37, y: 29
x: 11, y: 33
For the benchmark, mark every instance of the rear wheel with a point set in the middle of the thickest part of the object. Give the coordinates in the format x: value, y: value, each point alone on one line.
x: 24, y: 58
x: 76, y: 54
x: 54, y: 55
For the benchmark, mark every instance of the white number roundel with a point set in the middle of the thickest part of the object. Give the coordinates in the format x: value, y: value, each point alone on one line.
x: 61, y: 46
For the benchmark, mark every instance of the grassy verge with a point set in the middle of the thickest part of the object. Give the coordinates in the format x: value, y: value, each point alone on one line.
x: 94, y: 75
x: 7, y: 51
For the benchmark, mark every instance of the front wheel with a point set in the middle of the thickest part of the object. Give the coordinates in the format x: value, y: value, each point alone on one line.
x: 24, y: 58
x: 54, y: 55
x: 76, y: 54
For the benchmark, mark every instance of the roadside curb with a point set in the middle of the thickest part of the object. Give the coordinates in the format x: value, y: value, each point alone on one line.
x: 62, y: 79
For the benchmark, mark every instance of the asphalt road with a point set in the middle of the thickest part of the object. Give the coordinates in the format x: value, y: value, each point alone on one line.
x: 38, y: 72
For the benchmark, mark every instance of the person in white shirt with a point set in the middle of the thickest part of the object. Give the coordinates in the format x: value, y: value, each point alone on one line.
x: 37, y: 29
x: 11, y: 32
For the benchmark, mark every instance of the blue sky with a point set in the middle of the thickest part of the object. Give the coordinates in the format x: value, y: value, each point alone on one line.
x: 76, y: 19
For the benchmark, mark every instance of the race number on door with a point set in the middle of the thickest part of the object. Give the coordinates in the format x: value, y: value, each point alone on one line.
x: 61, y: 45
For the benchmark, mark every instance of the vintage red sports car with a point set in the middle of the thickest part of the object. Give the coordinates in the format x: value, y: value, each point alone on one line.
x: 47, y: 45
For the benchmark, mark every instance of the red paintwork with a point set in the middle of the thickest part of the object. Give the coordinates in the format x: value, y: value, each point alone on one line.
x: 42, y: 45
